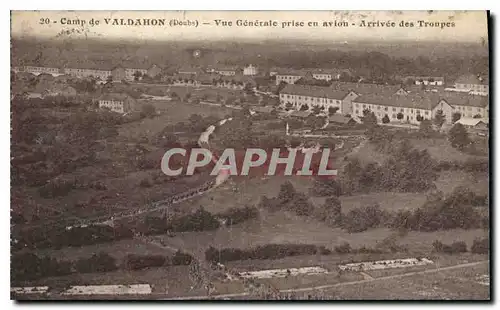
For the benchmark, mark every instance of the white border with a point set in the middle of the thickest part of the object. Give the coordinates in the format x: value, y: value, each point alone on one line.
x: 195, y: 5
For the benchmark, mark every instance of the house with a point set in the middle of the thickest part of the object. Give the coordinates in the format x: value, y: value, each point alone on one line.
x: 100, y: 72
x: 341, y: 120
x: 235, y: 81
x: 59, y: 90
x: 469, y: 106
x: 472, y: 83
x: 188, y: 70
x: 36, y: 70
x: 410, y: 108
x: 289, y: 76
x: 250, y: 70
x: 154, y: 70
x: 117, y: 102
x: 227, y: 71
x: 184, y: 79
x: 326, y: 74
x: 429, y: 80
x: 475, y: 125
x: 296, y: 96
x: 136, y: 72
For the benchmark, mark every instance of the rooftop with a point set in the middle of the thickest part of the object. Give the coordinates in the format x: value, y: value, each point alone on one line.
x: 314, y: 91
x: 472, y: 79
x: 115, y: 96
x: 471, y: 121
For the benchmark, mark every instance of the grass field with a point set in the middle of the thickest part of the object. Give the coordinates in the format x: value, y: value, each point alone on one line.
x: 477, y: 182
x: 440, y: 149
x: 458, y: 284
x: 118, y: 250
x: 171, y: 112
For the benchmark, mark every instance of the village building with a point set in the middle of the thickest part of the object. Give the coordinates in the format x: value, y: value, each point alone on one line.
x: 188, y: 70
x: 184, y: 79
x: 250, y: 70
x: 208, y: 79
x: 413, y: 108
x: 227, y: 71
x: 36, y: 70
x: 59, y: 90
x: 116, y: 102
x: 97, y: 71
x: 154, y: 70
x: 473, y: 84
x: 289, y: 76
x: 475, y: 125
x: 296, y: 96
x: 338, y: 119
x: 428, y: 80
x: 235, y: 82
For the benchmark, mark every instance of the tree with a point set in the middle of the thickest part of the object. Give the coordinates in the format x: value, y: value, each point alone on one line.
x: 455, y: 117
x: 369, y: 118
x: 458, y: 136
x: 330, y: 212
x: 332, y: 110
x: 304, y: 107
x: 439, y: 119
x: 109, y: 79
x: 316, y: 109
x: 148, y: 110
x: 326, y: 187
x: 426, y: 128
x: 280, y: 87
x: 137, y: 75
x: 288, y: 106
x: 478, y: 116
x: 287, y: 192
x: 385, y: 119
x: 400, y: 116
x: 419, y: 118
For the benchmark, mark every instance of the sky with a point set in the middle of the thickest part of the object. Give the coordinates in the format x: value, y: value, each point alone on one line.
x: 469, y: 26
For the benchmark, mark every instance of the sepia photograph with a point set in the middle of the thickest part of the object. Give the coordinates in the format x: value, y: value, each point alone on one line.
x: 250, y: 155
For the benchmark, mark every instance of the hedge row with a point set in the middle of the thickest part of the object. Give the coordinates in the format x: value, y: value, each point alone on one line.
x: 268, y: 251
x: 59, y: 237
x: 29, y: 266
x: 455, y: 247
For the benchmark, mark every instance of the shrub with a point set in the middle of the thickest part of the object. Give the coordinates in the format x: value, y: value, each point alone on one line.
x: 137, y: 262
x: 344, y: 248
x: 287, y: 192
x: 326, y: 187
x: 268, y: 251
x: 101, y: 262
x: 385, y: 119
x: 181, y: 258
x: 480, y: 246
x: 271, y: 204
x: 361, y: 219
x: 28, y: 266
x: 237, y: 215
x: 455, y: 247
x: 330, y: 212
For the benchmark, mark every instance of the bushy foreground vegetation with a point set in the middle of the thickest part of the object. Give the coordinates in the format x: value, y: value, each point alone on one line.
x: 28, y: 266
x: 200, y: 220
